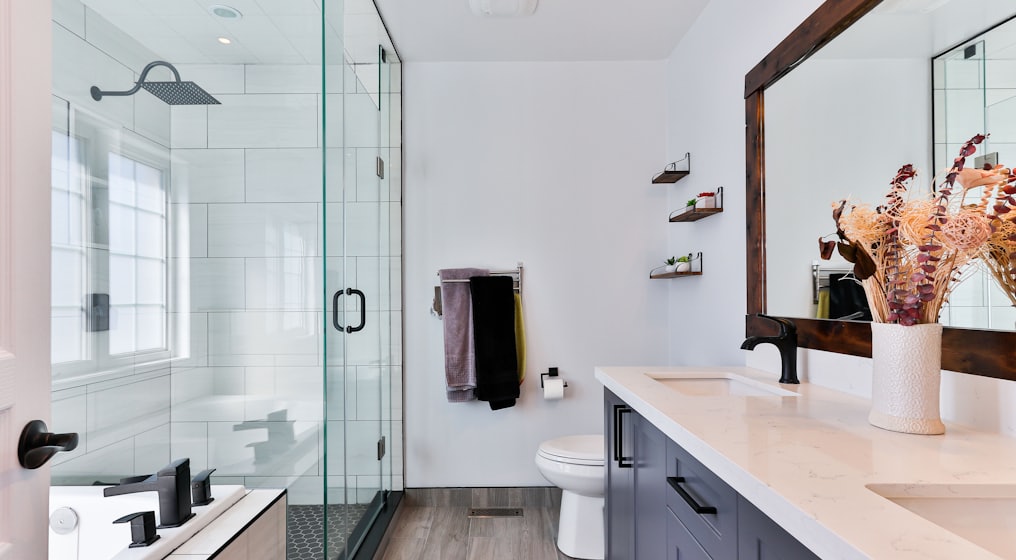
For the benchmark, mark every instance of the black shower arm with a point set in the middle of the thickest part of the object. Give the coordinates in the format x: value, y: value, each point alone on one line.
x: 97, y: 93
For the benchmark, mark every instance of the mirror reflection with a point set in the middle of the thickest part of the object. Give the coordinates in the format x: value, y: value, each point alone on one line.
x: 843, y: 121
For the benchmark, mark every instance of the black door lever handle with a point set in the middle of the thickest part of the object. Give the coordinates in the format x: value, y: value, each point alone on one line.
x: 37, y: 446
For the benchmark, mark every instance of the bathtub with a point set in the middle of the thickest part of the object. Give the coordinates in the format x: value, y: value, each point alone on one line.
x: 95, y: 537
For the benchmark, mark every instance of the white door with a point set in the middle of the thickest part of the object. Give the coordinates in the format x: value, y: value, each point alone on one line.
x: 25, y: 50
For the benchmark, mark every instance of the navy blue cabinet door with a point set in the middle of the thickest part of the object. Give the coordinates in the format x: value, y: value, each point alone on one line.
x: 680, y: 544
x: 650, y: 490
x: 760, y: 538
x: 620, y: 491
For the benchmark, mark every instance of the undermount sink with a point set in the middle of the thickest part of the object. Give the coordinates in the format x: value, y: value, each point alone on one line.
x: 984, y: 514
x: 716, y: 384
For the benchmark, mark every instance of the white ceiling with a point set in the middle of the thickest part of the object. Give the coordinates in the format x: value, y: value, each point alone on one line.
x: 289, y: 31
x: 560, y: 30
x: 270, y: 31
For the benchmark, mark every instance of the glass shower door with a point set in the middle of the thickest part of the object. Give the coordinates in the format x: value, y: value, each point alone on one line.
x: 354, y: 356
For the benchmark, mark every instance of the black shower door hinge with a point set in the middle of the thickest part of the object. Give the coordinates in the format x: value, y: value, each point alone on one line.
x: 380, y: 168
x: 381, y: 448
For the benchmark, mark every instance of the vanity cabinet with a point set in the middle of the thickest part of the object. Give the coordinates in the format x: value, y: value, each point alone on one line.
x: 636, y: 477
x: 619, y: 509
x: 662, y: 503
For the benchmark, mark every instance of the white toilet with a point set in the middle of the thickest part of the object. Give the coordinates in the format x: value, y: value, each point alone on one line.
x: 575, y: 465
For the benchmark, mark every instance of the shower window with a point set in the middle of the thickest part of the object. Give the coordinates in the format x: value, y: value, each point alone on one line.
x: 137, y: 256
x: 110, y: 305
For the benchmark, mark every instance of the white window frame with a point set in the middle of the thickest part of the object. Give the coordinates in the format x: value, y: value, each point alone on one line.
x: 100, y: 139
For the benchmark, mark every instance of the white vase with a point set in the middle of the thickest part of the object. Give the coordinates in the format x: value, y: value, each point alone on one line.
x: 682, y: 267
x: 907, y: 364
x: 670, y: 267
x: 705, y: 202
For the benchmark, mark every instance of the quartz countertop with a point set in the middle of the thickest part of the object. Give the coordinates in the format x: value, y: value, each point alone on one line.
x: 806, y: 461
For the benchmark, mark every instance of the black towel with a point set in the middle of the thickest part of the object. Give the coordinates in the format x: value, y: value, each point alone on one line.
x: 497, y: 375
x: 846, y: 298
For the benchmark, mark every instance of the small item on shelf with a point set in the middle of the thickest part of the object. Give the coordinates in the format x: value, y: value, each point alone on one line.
x: 704, y: 205
x: 706, y: 200
x: 671, y: 264
x: 687, y: 265
x: 673, y: 172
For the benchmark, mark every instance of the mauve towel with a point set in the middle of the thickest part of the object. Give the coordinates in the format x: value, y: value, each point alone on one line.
x: 460, y: 368
x: 497, y: 370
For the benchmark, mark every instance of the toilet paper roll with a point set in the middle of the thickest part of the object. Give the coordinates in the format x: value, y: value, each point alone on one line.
x: 553, y: 389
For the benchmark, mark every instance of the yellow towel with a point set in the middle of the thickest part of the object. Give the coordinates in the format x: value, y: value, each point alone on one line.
x: 520, y: 339
x: 823, y: 305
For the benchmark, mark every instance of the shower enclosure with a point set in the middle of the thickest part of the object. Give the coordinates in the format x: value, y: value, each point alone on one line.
x: 227, y: 277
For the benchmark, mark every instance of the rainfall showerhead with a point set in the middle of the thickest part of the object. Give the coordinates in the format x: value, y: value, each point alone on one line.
x: 176, y: 92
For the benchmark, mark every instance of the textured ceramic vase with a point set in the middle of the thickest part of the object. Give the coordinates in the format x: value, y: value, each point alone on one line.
x: 907, y: 364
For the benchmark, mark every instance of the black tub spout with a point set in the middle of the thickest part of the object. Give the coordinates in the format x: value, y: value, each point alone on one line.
x: 172, y: 482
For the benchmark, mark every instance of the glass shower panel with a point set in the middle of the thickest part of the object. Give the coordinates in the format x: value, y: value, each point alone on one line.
x: 197, y: 249
x: 352, y: 342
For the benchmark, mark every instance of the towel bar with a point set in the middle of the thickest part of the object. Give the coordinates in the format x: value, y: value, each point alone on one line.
x: 517, y: 285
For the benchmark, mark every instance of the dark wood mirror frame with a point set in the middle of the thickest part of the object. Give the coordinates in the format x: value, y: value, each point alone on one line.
x: 978, y: 352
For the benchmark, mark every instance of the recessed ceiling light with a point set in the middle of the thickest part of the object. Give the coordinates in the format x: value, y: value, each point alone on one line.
x: 224, y: 40
x: 225, y: 12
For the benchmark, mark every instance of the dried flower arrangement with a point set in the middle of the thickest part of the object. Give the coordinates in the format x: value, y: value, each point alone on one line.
x: 910, y: 254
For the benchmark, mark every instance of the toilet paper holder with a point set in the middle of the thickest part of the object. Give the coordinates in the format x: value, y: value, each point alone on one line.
x: 552, y: 372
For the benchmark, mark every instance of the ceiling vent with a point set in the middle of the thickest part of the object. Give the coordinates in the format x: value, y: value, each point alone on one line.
x: 503, y: 8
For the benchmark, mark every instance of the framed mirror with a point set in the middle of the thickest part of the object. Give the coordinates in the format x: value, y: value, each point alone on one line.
x: 831, y: 112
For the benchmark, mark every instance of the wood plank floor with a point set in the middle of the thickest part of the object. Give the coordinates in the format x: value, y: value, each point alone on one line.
x: 433, y: 524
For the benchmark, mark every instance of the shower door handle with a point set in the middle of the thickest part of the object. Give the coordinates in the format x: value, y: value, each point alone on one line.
x: 335, y: 310
x: 363, y: 310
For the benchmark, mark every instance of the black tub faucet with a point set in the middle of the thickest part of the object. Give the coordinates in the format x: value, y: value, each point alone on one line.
x: 172, y: 482
x: 786, y: 342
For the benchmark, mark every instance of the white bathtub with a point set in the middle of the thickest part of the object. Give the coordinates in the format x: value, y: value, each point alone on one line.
x: 96, y: 537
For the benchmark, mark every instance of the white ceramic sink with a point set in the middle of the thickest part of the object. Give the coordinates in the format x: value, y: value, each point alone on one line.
x: 716, y: 384
x: 984, y: 514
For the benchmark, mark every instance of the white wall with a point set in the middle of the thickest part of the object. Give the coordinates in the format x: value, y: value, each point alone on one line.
x: 548, y: 164
x: 705, y: 106
x: 710, y: 119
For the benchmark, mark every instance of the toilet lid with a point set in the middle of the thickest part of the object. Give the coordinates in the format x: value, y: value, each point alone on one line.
x: 582, y: 450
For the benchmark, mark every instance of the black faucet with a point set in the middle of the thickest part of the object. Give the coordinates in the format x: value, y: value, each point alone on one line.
x: 172, y: 482
x: 786, y: 342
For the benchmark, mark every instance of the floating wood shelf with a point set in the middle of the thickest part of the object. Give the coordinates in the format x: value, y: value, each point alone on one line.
x: 673, y: 275
x: 694, y: 269
x: 693, y: 213
x: 671, y: 174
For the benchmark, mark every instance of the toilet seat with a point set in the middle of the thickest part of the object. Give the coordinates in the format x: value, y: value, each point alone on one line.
x: 574, y: 450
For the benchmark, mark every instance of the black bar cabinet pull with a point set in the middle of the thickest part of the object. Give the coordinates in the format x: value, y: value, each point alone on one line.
x: 622, y: 461
x: 674, y: 482
x: 335, y: 310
